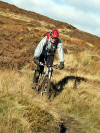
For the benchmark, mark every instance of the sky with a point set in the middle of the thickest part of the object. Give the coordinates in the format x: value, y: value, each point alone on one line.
x: 82, y: 14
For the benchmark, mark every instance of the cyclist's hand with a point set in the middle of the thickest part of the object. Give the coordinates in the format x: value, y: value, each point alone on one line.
x: 61, y: 66
x: 36, y: 61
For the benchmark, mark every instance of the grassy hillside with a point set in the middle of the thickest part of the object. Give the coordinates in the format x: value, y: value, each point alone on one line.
x: 74, y: 105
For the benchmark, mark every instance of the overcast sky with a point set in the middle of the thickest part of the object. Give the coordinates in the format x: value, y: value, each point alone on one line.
x: 83, y: 14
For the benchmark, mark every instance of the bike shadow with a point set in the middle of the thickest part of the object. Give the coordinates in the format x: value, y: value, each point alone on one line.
x: 57, y: 88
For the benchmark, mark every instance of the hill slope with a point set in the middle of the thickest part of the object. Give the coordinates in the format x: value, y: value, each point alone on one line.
x: 21, y: 30
x: 74, y: 106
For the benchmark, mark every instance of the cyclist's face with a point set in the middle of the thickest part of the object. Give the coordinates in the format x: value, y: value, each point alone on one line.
x: 53, y: 40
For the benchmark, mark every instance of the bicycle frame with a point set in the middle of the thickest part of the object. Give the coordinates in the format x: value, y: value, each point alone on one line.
x: 49, y: 72
x: 45, y: 78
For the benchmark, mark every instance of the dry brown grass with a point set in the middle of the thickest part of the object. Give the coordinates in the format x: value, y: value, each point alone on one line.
x: 18, y: 110
x: 77, y: 95
x: 76, y: 88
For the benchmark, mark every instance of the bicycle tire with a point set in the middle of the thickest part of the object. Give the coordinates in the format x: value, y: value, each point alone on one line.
x: 41, y: 83
x: 44, y: 85
x: 47, y: 87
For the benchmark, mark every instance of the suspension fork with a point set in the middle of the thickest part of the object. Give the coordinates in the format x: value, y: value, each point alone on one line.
x: 49, y: 72
x: 49, y: 75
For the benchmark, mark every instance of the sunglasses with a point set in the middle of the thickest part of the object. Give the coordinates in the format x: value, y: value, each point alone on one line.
x: 54, y: 38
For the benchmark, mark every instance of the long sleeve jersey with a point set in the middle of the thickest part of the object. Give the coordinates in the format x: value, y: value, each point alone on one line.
x: 48, y: 46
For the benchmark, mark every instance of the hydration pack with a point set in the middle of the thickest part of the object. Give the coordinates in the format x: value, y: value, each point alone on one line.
x: 51, y: 51
x: 48, y: 36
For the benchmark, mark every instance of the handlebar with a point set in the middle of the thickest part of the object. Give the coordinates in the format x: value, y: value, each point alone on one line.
x: 53, y: 66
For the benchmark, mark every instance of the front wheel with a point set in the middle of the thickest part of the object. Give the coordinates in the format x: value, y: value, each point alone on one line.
x: 47, y: 87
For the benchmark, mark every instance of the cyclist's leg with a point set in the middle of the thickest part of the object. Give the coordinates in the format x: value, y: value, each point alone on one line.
x: 50, y: 60
x: 38, y: 70
x: 37, y: 73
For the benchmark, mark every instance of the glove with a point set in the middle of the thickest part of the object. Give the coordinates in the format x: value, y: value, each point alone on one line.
x: 36, y: 60
x: 61, y: 66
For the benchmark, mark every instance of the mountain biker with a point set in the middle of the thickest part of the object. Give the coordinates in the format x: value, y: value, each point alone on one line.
x: 45, y: 52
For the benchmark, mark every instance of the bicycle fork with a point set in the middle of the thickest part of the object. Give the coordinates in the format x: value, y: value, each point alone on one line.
x: 49, y: 72
x: 47, y: 80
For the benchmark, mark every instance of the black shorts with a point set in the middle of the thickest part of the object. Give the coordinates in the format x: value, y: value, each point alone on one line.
x: 49, y: 62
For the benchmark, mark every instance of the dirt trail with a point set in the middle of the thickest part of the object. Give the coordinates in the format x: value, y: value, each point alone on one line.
x: 67, y: 124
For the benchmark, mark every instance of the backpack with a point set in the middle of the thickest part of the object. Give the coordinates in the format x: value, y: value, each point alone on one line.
x: 54, y: 47
x: 48, y: 35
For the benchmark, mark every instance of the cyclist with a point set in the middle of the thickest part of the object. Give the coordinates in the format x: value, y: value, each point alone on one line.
x: 45, y: 52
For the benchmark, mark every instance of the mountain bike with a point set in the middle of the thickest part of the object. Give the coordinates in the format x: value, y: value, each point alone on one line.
x: 44, y: 82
